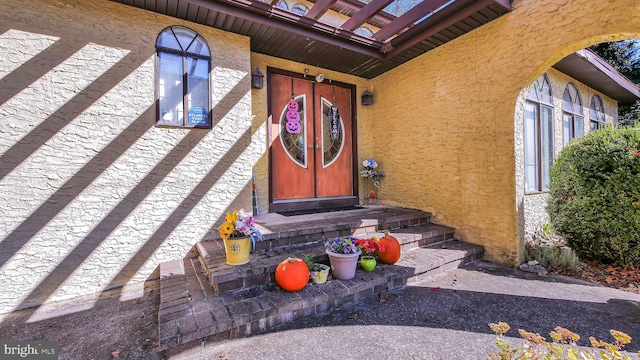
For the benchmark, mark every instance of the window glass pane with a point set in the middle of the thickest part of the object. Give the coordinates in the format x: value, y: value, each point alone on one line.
x: 300, y: 9
x: 567, y: 103
x: 283, y: 5
x: 185, y: 37
x: 545, y: 91
x: 364, y: 31
x: 547, y: 145
x: 293, y: 132
x: 567, y: 129
x: 198, y: 91
x: 579, y: 126
x: 168, y: 40
x: 530, y: 147
x: 170, y: 88
x: 199, y: 47
x: 332, y: 134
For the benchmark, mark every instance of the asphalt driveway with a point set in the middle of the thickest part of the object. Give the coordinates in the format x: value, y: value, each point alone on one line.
x: 445, y: 317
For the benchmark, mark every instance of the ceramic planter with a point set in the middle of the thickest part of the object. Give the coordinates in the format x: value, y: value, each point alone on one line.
x: 367, y: 263
x: 343, y: 266
x: 320, y: 277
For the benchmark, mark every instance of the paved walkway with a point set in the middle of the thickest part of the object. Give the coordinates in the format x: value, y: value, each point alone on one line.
x: 445, y: 318
x: 441, y: 318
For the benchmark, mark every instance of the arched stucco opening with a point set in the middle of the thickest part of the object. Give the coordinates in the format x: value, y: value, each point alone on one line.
x: 449, y: 115
x: 531, y: 205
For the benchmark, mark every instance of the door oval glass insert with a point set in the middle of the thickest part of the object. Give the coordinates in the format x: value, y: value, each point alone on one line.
x: 293, y: 130
x: 332, y: 133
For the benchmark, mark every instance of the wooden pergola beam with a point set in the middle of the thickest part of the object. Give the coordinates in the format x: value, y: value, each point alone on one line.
x: 320, y: 8
x: 408, y: 19
x: 365, y: 14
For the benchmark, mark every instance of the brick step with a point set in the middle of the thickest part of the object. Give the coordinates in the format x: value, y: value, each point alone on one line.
x: 262, y: 265
x: 282, y: 231
x: 190, y: 311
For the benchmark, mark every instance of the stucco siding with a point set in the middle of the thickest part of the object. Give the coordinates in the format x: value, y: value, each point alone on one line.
x: 94, y: 195
x: 447, y: 117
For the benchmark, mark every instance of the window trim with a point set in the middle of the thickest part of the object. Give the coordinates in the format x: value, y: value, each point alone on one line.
x: 185, y: 84
x: 572, y: 113
x: 599, y: 123
x: 539, y: 104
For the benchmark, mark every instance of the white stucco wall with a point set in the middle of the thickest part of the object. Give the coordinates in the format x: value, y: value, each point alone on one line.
x: 531, y: 207
x: 94, y: 195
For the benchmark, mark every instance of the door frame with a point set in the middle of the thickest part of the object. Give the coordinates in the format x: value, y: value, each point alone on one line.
x: 312, y: 203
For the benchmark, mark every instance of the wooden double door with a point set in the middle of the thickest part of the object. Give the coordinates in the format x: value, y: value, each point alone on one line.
x: 312, y: 142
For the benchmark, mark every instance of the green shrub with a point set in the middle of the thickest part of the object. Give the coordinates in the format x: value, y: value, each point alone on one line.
x: 595, y: 194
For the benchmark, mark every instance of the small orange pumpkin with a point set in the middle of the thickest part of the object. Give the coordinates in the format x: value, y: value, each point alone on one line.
x: 292, y: 274
x: 391, y: 253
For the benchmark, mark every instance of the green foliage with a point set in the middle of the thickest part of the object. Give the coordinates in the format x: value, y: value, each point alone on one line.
x: 625, y: 57
x: 629, y: 114
x: 550, y: 250
x: 310, y: 264
x: 595, y: 194
x: 561, y: 348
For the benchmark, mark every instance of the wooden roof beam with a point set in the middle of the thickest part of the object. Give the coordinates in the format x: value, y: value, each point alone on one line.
x: 408, y: 19
x: 450, y: 15
x: 272, y: 16
x: 320, y: 8
x: 365, y: 14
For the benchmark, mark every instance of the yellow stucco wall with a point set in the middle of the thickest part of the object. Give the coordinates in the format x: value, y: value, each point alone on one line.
x: 443, y: 123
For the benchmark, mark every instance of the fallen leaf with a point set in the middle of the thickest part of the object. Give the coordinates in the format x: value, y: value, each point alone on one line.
x: 116, y: 353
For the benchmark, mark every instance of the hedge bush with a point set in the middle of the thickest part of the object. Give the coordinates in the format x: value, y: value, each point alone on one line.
x: 595, y: 196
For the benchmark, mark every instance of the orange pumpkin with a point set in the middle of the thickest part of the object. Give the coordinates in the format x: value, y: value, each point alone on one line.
x: 391, y: 253
x: 292, y: 274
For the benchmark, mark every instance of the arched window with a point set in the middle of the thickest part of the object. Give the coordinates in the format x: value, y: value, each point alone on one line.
x: 538, y: 136
x: 283, y: 5
x: 573, y: 117
x: 596, y: 114
x: 364, y: 31
x: 184, y: 67
x: 300, y: 9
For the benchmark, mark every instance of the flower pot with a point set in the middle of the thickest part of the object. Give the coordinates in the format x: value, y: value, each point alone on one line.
x: 320, y: 277
x: 367, y: 263
x: 237, y: 250
x: 343, y: 266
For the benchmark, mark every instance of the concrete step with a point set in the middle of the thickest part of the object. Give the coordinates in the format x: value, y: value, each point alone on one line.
x: 190, y: 311
x: 262, y: 264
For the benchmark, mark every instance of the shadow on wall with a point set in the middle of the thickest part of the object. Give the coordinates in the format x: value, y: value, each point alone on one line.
x: 34, y: 267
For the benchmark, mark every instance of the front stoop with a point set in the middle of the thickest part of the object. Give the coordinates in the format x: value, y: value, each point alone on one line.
x: 190, y: 311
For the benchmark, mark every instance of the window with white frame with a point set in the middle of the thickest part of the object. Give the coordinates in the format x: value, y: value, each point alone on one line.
x: 572, y: 115
x: 183, y: 79
x: 538, y: 136
x: 596, y: 114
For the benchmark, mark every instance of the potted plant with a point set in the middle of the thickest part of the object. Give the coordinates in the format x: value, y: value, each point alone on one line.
x: 343, y: 255
x: 240, y: 235
x: 369, y: 248
x: 318, y: 272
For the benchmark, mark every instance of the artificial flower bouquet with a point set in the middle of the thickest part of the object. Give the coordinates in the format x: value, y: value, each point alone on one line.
x: 239, y: 224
